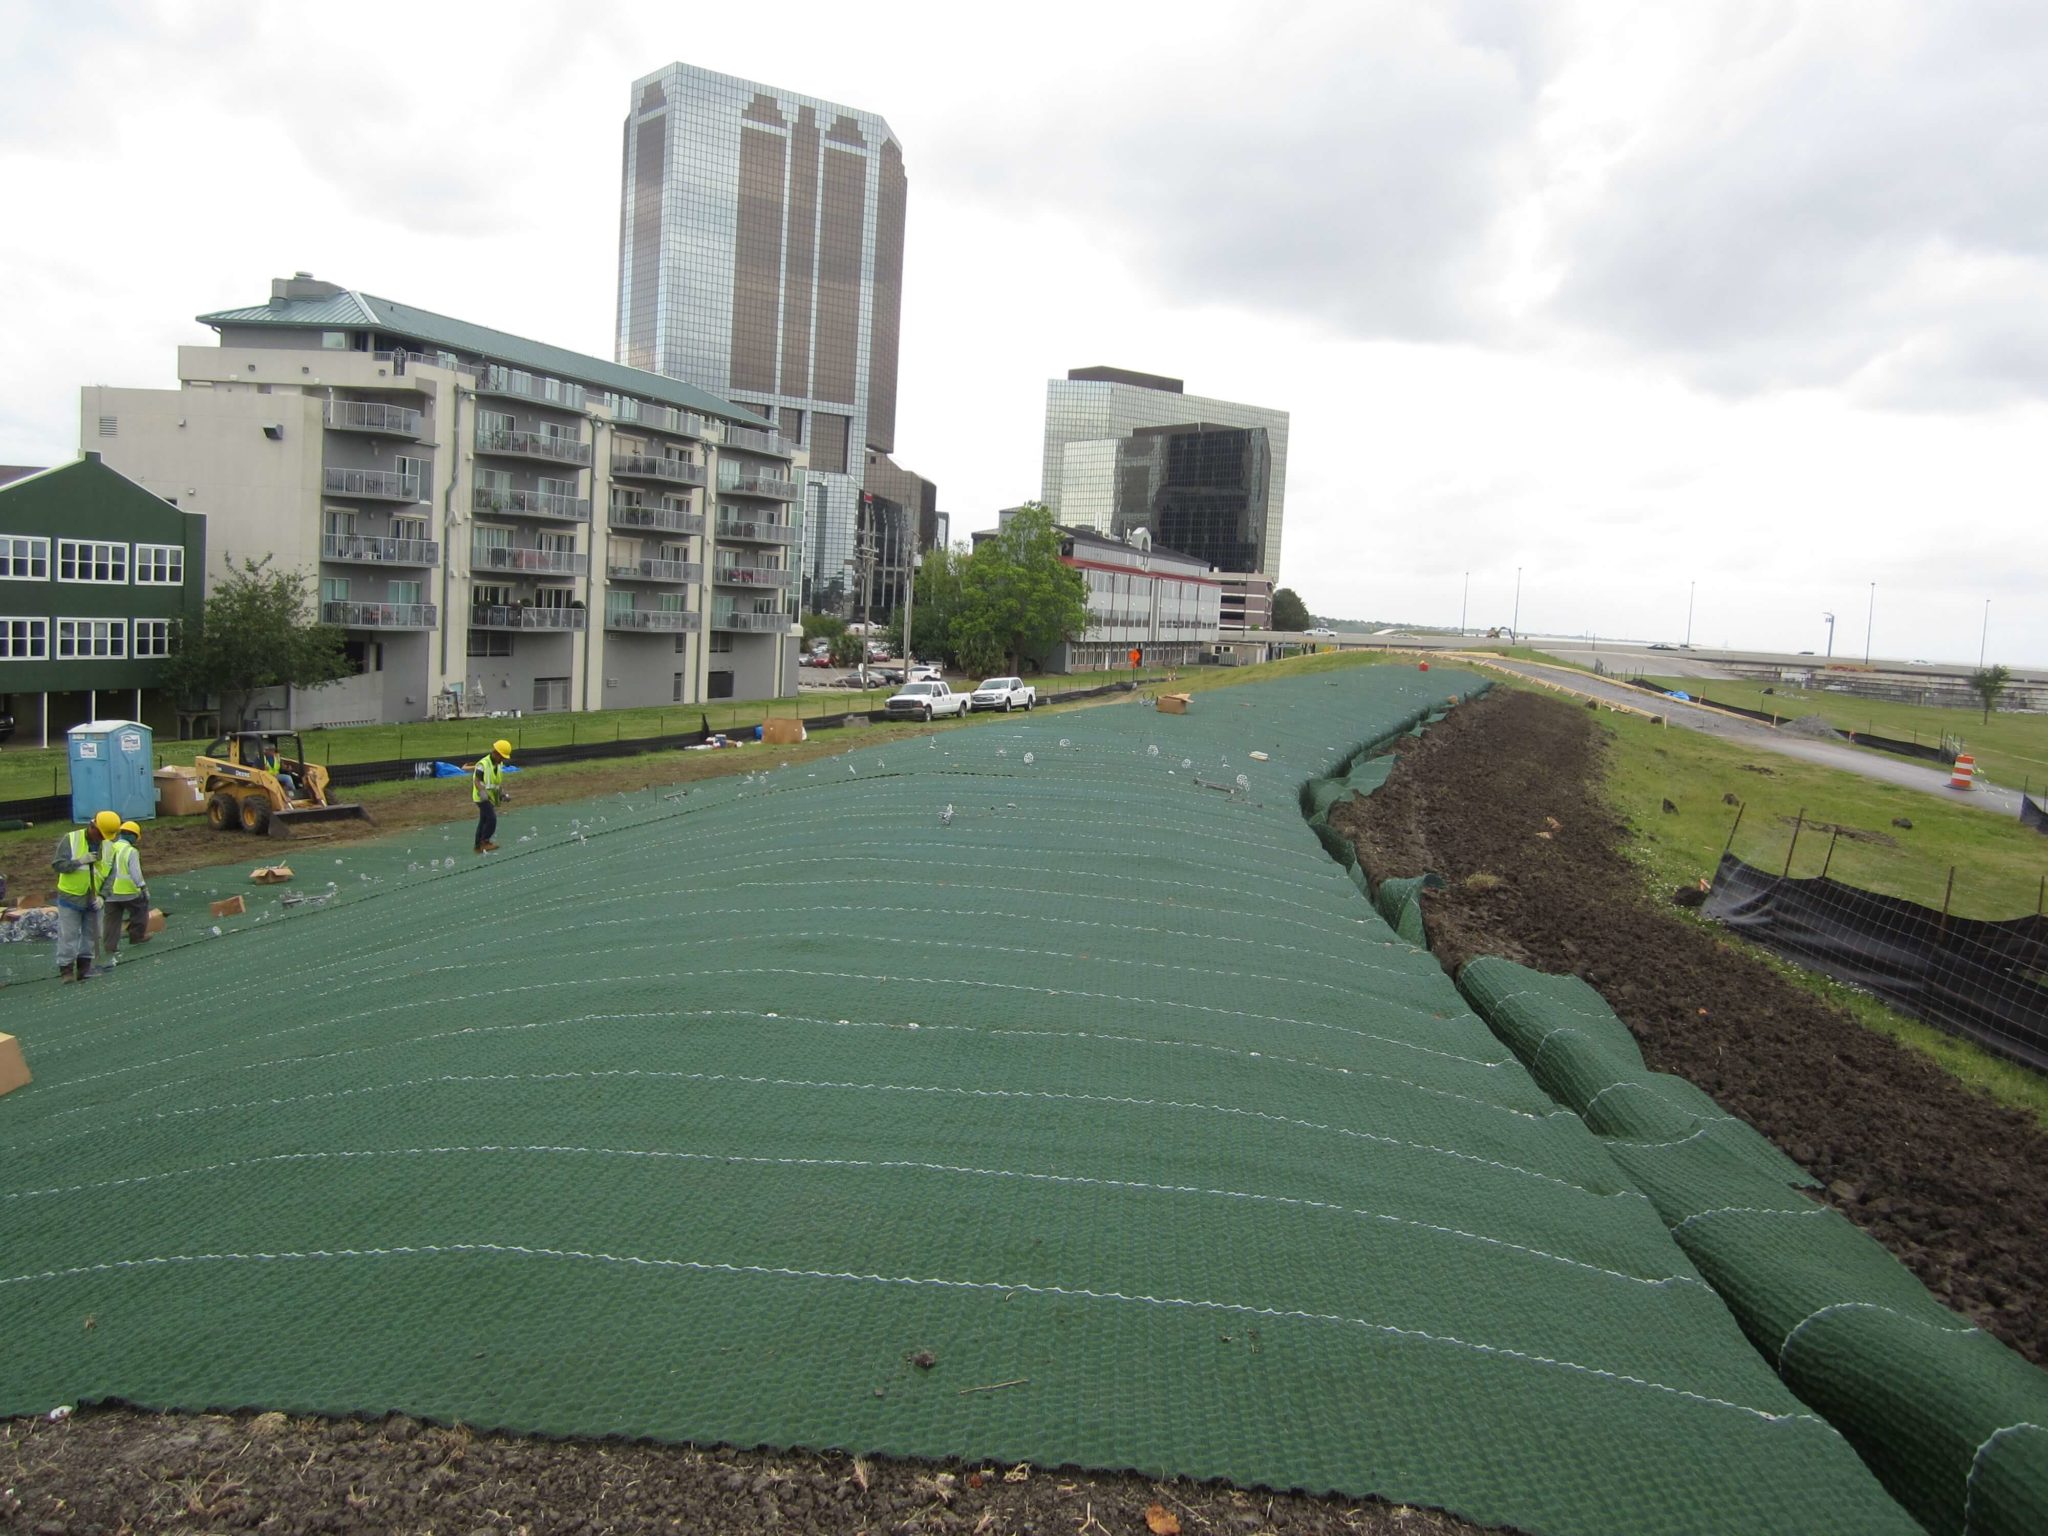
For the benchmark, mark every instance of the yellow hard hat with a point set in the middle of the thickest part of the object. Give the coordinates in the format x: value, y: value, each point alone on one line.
x: 502, y: 748
x: 131, y: 828
x: 107, y: 823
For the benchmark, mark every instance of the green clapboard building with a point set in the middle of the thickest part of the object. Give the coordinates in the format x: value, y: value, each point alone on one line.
x: 97, y: 576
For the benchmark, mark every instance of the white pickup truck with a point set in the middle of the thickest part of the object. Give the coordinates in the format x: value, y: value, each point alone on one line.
x: 924, y: 701
x: 1005, y: 693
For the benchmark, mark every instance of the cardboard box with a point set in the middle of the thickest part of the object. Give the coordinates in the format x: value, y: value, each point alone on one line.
x: 156, y: 921
x: 271, y: 874
x: 782, y: 733
x: 234, y: 906
x: 178, y: 793
x: 13, y: 1070
x: 1175, y: 703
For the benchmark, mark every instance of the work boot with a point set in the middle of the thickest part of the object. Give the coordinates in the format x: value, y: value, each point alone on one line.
x: 490, y: 847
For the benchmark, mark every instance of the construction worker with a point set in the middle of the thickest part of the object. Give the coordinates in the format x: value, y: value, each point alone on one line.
x: 126, y: 894
x: 83, y: 864
x: 487, y: 789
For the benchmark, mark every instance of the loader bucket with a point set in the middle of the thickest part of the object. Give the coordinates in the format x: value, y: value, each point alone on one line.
x: 283, y: 822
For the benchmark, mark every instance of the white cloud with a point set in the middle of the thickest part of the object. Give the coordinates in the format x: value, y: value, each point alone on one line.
x: 1747, y: 295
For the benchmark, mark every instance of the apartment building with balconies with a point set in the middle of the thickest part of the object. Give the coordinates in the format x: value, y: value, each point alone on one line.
x: 495, y: 523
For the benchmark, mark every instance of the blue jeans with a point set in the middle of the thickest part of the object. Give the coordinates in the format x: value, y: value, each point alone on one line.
x: 486, y: 823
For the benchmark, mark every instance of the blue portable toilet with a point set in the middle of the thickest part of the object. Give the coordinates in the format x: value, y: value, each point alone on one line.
x: 110, y: 770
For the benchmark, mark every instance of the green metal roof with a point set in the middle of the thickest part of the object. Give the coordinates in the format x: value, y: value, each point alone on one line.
x: 364, y: 309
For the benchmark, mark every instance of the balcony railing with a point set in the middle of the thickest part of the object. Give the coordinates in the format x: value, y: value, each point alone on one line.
x: 368, y: 549
x: 658, y: 418
x: 506, y: 616
x: 749, y: 622
x: 665, y: 620
x: 520, y: 557
x: 755, y: 532
x: 654, y: 466
x: 493, y: 380
x: 752, y: 576
x: 379, y: 615
x: 754, y: 441
x: 686, y: 572
x: 743, y: 484
x: 550, y: 504
x: 519, y: 444
x: 373, y: 416
x: 646, y: 517
x: 373, y: 484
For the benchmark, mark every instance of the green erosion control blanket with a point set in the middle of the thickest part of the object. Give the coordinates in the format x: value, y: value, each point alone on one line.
x: 1954, y: 1423
x: 1036, y: 1089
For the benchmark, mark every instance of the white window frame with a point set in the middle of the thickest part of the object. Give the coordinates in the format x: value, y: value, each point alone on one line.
x: 68, y: 556
x: 116, y: 638
x: 24, y: 557
x: 169, y: 558
x: 151, y: 640
x: 30, y: 643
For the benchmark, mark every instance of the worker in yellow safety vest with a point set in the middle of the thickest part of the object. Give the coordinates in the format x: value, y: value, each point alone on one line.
x: 126, y: 893
x: 487, y: 789
x: 83, y: 864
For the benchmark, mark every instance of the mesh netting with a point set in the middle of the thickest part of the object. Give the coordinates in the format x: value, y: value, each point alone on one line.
x: 1036, y: 1090
x: 1954, y: 1423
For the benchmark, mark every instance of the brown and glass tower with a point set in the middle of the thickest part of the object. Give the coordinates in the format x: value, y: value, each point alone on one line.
x: 761, y: 257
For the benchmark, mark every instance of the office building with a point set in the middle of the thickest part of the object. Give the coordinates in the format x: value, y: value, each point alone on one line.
x: 495, y: 523
x: 97, y: 577
x: 1247, y: 601
x: 761, y: 258
x: 1127, y: 451
x: 1158, y: 602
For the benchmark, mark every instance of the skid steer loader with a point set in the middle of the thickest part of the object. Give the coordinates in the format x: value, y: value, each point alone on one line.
x: 260, y: 781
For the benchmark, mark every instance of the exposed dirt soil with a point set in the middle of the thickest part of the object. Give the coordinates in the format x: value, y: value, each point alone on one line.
x: 1953, y: 1183
x: 119, y: 1471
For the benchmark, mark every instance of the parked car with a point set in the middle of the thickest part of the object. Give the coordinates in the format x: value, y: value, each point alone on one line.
x: 926, y: 701
x: 1004, y: 693
x: 925, y: 672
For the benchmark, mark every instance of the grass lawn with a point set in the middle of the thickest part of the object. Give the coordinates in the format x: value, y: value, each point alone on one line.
x: 2011, y: 748
x: 1999, y: 863
x: 26, y: 772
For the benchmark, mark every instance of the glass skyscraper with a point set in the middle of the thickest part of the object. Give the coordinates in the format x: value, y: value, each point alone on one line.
x: 761, y: 257
x: 1127, y: 450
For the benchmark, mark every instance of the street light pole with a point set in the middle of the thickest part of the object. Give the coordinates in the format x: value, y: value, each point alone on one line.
x: 1831, y: 632
x: 1516, y: 626
x: 1984, y: 639
x: 1465, y: 603
x: 1869, y: 624
x: 1690, y: 588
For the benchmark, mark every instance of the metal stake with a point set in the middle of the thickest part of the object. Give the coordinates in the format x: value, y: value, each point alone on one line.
x: 1796, y: 825
x: 1738, y: 823
x: 1824, y: 863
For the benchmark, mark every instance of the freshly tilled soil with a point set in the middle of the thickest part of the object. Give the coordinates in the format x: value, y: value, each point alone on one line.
x: 120, y: 1471
x: 1507, y: 790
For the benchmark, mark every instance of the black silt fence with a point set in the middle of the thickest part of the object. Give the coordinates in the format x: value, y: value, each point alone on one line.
x: 1986, y: 981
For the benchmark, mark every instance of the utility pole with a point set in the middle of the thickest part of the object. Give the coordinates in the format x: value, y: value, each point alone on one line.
x: 1690, y: 588
x: 1984, y: 639
x: 1516, y: 627
x: 1869, y: 624
x: 1465, y: 604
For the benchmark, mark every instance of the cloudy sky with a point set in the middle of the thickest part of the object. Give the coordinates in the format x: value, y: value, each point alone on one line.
x: 1741, y: 301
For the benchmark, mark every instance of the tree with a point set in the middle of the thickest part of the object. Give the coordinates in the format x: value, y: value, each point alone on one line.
x: 1290, y: 612
x: 1017, y: 600
x: 847, y: 648
x: 256, y: 631
x: 1988, y: 684
x: 939, y: 594
x: 822, y: 626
